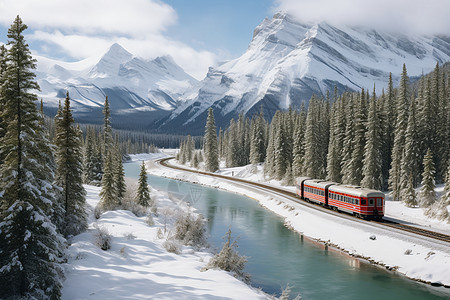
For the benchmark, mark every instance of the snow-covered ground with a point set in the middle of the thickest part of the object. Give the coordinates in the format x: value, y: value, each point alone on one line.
x: 138, y: 266
x: 417, y: 258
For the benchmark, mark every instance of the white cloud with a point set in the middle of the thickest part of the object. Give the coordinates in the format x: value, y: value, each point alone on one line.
x: 130, y: 17
x: 86, y: 28
x: 419, y: 16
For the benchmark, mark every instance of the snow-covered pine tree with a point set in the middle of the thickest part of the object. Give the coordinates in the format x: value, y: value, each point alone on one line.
x: 434, y: 138
x: 443, y: 126
x: 108, y: 193
x: 210, y: 144
x: 281, y: 150
x: 410, y: 164
x: 399, y: 136
x: 107, y: 129
x: 289, y: 124
x: 143, y: 193
x: 233, y: 146
x: 312, y: 159
x: 88, y: 157
x: 30, y: 246
x: 257, y: 142
x: 359, y: 126
x: 2, y: 70
x: 324, y: 135
x: 119, y: 176
x: 334, y: 157
x: 298, y: 140
x: 69, y: 171
x: 427, y: 194
x: 372, y: 149
x: 387, y: 120
x: 195, y: 161
x: 269, y: 164
x: 409, y: 194
x: 444, y: 201
x: 51, y: 192
x: 347, y: 168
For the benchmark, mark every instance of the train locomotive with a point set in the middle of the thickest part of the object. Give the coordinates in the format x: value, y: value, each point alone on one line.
x: 360, y: 202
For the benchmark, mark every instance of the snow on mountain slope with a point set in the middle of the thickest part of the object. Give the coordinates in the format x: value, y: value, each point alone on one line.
x: 287, y: 61
x: 132, y: 84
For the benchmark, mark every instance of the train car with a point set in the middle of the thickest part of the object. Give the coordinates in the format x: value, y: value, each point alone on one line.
x: 316, y: 191
x: 299, y: 183
x: 360, y: 202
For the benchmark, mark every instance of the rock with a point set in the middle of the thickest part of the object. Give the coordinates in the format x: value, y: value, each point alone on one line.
x: 373, y: 237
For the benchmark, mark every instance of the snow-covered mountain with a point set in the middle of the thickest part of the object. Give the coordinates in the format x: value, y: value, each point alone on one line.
x: 287, y: 61
x: 144, y: 89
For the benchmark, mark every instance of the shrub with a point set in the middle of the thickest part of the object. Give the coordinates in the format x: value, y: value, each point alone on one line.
x: 190, y: 230
x: 149, y: 220
x: 159, y: 233
x: 97, y: 212
x: 172, y: 245
x: 228, y: 259
x: 102, y: 238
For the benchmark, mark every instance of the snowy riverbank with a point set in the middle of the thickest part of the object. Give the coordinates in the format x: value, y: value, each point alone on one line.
x: 138, y: 266
x: 417, y: 258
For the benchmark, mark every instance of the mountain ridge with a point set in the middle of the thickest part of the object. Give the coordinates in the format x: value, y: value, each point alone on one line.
x: 135, y: 86
x: 287, y: 61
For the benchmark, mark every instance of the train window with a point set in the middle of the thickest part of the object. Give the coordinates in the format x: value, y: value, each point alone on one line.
x: 357, y: 202
x: 371, y: 201
x: 363, y: 202
x: 379, y: 201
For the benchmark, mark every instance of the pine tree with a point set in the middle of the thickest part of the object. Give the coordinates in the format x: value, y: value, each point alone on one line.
x: 388, y: 118
x: 444, y: 201
x: 108, y: 193
x: 410, y: 158
x: 210, y: 144
x: 372, y: 149
x: 232, y: 159
x: 69, y: 171
x: 399, y: 136
x: 358, y: 140
x: 312, y: 160
x: 281, y: 150
x: 269, y: 164
x: 30, y: 246
x: 3, y: 53
x: 107, y: 130
x: 443, y: 127
x: 88, y: 157
x: 334, y: 159
x: 299, y: 146
x: 195, y: 160
x: 347, y: 167
x: 409, y: 193
x: 257, y: 142
x: 427, y: 192
x: 143, y: 193
x: 119, y: 177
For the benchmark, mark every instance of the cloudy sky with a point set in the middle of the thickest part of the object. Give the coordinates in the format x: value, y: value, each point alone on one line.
x: 196, y: 33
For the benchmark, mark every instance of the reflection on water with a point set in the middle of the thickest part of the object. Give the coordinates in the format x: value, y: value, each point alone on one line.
x: 278, y: 256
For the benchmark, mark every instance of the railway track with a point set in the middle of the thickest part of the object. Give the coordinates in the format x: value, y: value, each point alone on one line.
x: 391, y: 224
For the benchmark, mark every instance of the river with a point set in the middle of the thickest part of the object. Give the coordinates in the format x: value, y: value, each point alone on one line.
x: 278, y: 256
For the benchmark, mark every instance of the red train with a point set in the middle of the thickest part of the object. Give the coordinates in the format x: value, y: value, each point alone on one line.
x: 360, y: 202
